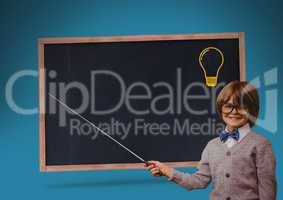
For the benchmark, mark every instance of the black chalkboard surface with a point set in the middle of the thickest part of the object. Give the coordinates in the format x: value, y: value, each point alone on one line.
x: 154, y: 94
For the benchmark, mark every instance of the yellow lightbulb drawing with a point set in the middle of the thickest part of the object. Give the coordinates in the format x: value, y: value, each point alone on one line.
x: 211, y: 80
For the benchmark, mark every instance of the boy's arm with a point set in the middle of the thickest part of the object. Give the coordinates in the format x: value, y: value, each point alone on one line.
x: 200, y: 179
x: 265, y: 162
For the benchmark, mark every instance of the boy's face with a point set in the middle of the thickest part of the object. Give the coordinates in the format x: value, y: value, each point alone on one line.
x: 233, y: 116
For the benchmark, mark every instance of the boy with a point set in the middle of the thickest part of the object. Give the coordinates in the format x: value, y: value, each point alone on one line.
x: 239, y: 162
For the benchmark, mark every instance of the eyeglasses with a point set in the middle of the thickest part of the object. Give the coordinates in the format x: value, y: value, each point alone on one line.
x: 228, y: 108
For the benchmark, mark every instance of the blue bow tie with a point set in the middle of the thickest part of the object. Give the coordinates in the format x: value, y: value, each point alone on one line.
x: 225, y: 134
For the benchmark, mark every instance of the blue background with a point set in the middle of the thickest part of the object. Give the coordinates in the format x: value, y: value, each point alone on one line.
x: 23, y: 22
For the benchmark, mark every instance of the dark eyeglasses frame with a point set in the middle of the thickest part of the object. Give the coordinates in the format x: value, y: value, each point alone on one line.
x: 236, y: 107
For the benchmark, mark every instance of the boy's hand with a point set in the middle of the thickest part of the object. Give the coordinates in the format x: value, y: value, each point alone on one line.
x: 159, y: 169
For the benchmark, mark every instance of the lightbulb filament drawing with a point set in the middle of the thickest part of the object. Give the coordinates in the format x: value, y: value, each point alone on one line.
x: 211, y: 80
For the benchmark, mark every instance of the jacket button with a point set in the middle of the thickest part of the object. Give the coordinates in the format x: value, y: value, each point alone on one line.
x: 228, y: 153
x: 227, y: 175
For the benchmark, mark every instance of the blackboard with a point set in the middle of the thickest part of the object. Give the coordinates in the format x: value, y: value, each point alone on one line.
x: 148, y: 92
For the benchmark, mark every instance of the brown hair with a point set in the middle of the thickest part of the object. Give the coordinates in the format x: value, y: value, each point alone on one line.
x: 243, y: 95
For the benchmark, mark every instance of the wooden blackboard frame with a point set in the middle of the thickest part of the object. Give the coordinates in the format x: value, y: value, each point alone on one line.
x: 43, y: 41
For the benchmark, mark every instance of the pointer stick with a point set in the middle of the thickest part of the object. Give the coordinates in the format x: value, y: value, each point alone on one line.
x: 103, y: 132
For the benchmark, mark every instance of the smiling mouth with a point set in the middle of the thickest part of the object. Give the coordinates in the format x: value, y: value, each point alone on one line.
x: 235, y: 117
